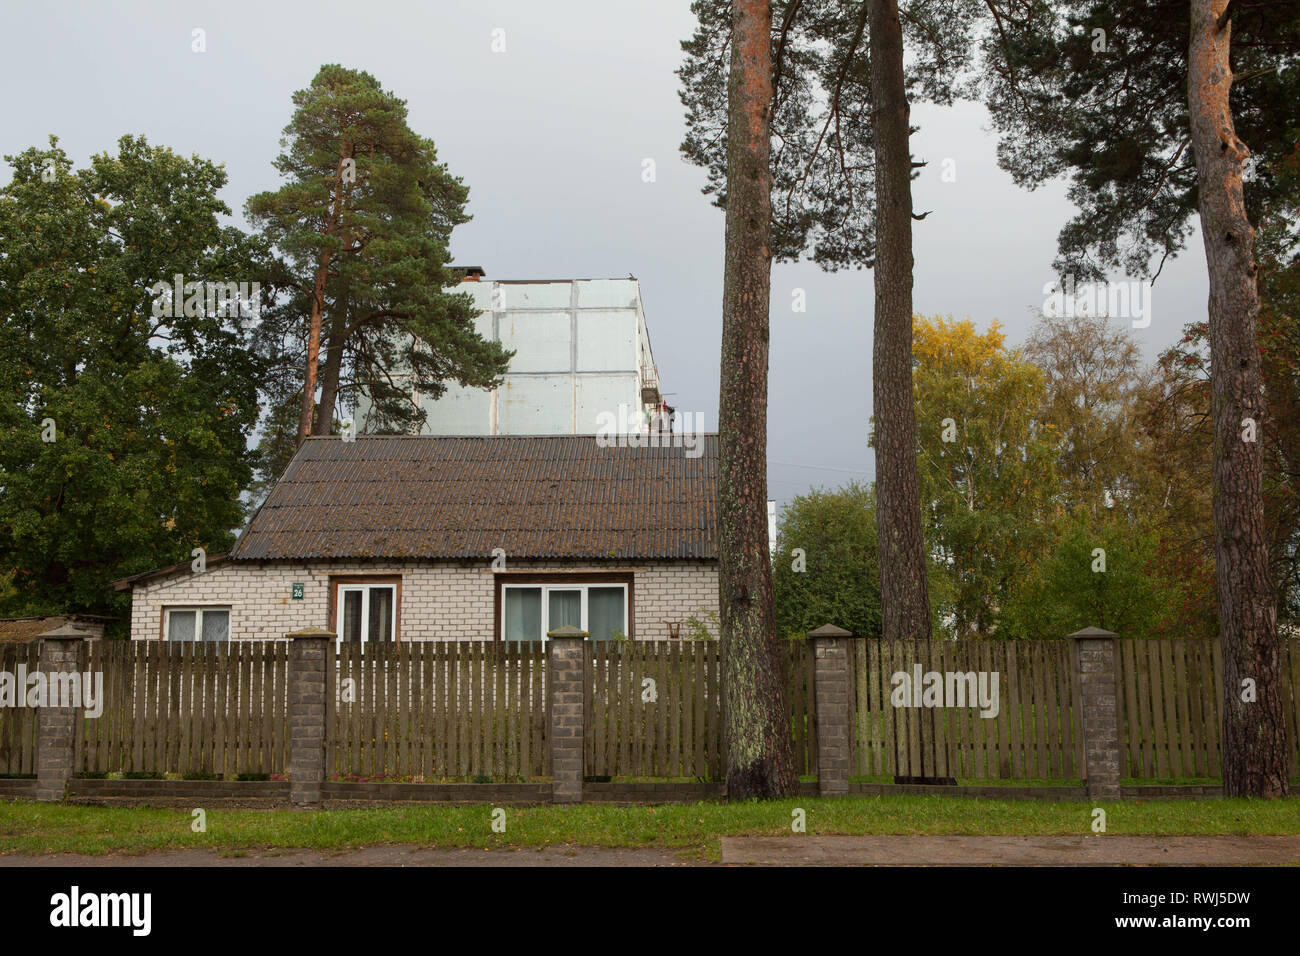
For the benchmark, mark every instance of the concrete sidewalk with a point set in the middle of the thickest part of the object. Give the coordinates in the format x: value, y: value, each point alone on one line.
x: 1091, y: 850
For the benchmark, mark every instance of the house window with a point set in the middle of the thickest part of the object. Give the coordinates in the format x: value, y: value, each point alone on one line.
x: 528, y: 611
x: 197, y: 624
x: 366, y: 613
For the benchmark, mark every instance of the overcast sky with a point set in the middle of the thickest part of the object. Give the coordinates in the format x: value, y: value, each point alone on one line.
x: 550, y: 136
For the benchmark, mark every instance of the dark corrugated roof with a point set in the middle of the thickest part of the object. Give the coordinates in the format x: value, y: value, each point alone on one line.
x: 561, y: 496
x: 126, y: 583
x: 23, y: 630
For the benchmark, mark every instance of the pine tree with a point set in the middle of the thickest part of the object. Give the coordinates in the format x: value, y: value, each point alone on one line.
x: 365, y: 219
x: 1149, y: 109
x: 841, y: 191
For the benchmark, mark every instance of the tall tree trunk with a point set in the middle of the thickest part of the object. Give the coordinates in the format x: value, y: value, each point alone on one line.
x: 313, y: 348
x: 904, y: 588
x: 318, y: 302
x: 1255, y: 757
x: 333, y: 368
x: 760, y: 761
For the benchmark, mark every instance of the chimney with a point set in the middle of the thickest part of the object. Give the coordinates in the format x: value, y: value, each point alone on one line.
x: 471, y: 273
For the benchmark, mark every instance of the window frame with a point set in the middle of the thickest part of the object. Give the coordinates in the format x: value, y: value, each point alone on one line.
x: 564, y: 582
x: 340, y: 581
x: 164, y: 625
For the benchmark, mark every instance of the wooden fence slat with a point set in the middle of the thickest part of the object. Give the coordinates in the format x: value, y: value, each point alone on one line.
x: 888, y: 734
x: 1290, y: 661
x: 1056, y: 713
x: 1146, y: 705
x: 598, y: 698
x: 1062, y: 663
x: 1182, y: 696
x: 1158, y: 723
x: 1170, y: 690
x: 1131, y: 739
x: 992, y: 761
x: 1195, y: 683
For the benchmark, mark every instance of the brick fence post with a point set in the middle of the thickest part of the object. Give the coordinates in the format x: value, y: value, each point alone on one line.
x: 56, y: 727
x: 1093, y: 660
x: 310, y: 653
x: 832, y: 684
x: 566, y: 694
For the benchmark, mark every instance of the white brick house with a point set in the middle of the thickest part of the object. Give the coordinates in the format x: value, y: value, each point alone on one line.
x: 415, y: 538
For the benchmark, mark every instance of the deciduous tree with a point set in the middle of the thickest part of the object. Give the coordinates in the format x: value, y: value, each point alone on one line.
x: 125, y: 413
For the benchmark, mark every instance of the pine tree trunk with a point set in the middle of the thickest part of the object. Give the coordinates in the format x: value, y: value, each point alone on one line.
x: 904, y: 587
x: 318, y: 303
x: 1255, y: 756
x: 313, y: 349
x: 333, y: 370
x: 756, y: 721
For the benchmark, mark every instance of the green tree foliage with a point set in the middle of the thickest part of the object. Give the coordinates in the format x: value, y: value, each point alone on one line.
x: 149, y: 414
x: 823, y: 160
x: 835, y: 577
x: 365, y: 216
x: 840, y: 578
x: 1095, y: 573
x: 989, y: 485
x: 1095, y: 385
x: 1109, y: 111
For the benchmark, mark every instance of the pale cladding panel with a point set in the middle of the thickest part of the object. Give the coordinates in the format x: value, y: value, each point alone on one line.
x: 602, y: 395
x: 460, y: 411
x: 542, y: 341
x: 607, y: 293
x: 535, y: 405
x: 440, y: 601
x: 531, y: 295
x: 607, y: 341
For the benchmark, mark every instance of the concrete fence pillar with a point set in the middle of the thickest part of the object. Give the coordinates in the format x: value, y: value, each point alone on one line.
x: 310, y: 653
x: 1094, y: 662
x: 566, y: 694
x: 832, y: 686
x: 56, y: 727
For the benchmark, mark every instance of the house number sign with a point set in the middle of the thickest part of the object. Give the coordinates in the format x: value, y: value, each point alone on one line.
x: 297, y: 590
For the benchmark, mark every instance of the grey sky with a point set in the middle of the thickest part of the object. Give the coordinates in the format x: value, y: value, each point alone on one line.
x: 550, y: 136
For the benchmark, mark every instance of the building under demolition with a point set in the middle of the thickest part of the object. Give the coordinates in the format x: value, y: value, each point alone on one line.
x: 582, y: 358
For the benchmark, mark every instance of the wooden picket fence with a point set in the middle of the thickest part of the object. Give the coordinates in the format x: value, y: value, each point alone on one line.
x: 1171, y: 706
x: 656, y: 709
x: 478, y: 710
x: 437, y: 710
x: 18, y: 724
x: 192, y: 708
x: 1033, y: 736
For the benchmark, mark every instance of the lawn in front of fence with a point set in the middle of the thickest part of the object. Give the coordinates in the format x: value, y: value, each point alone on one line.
x: 695, y: 829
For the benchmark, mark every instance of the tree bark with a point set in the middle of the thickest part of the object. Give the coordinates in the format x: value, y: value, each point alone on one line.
x: 333, y: 368
x: 904, y: 587
x: 760, y: 760
x: 1255, y: 753
x: 318, y: 304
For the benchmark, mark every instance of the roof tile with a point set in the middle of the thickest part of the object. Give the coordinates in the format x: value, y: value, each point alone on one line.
x: 560, y: 496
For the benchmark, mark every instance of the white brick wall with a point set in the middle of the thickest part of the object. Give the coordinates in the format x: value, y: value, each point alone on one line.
x: 440, y: 601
